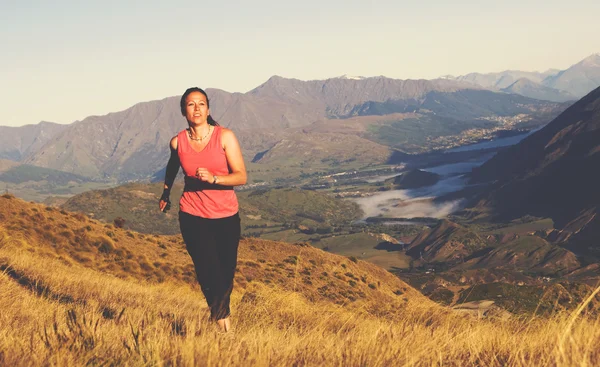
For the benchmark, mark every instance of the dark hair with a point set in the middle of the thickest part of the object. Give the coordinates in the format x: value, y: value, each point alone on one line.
x: 209, y: 119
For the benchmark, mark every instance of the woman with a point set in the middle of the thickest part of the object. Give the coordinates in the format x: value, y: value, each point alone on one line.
x: 212, y: 163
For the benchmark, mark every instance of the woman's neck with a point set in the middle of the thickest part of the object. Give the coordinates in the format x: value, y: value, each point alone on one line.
x: 199, y: 130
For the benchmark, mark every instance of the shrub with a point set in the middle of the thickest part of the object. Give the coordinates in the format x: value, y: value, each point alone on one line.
x: 104, y: 244
x: 291, y: 260
x: 119, y: 222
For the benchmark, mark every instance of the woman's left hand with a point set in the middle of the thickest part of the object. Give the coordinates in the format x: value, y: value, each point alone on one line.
x: 204, y: 175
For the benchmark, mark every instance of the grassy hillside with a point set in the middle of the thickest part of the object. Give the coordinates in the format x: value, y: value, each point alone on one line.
x: 308, y: 207
x: 285, y: 214
x: 70, y: 297
x: 137, y: 204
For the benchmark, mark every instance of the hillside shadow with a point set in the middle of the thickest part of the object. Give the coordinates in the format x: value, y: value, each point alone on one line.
x: 389, y: 247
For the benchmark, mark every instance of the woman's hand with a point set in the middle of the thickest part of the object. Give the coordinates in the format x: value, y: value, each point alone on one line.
x: 164, y: 204
x: 204, y: 175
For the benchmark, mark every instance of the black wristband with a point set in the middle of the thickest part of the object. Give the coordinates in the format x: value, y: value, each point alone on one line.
x: 165, y: 197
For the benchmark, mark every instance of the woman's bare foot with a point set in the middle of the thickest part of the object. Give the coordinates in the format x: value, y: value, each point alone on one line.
x: 224, y: 324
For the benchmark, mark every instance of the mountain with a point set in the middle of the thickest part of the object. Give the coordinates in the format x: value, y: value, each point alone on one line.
x: 552, y: 173
x: 503, y: 79
x: 579, y: 79
x: 571, y: 83
x: 127, y: 144
x: 385, y: 114
x: 18, y: 142
x: 132, y: 144
x: 338, y: 97
x: 526, y: 87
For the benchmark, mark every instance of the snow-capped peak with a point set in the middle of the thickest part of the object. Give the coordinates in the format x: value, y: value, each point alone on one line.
x: 352, y: 77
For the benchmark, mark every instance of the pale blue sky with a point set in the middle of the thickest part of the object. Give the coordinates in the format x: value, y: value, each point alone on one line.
x: 62, y: 61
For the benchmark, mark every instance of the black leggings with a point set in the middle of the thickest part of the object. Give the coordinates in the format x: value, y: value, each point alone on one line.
x: 213, y: 246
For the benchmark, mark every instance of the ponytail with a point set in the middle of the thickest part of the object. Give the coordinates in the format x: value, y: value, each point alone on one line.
x: 212, y: 121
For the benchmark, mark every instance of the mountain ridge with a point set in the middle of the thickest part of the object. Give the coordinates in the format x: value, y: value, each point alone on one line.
x: 133, y: 144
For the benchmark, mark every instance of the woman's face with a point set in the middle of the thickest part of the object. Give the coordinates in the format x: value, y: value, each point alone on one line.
x: 196, y: 108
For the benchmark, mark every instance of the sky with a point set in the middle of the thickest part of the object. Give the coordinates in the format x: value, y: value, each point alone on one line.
x: 62, y: 61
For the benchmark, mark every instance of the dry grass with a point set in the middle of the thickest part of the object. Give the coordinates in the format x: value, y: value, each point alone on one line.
x: 58, y: 310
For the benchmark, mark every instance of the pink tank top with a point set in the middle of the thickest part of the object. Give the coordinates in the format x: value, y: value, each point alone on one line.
x: 200, y: 198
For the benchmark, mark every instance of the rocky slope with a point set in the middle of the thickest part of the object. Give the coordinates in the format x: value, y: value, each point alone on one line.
x: 446, y: 243
x: 552, y: 173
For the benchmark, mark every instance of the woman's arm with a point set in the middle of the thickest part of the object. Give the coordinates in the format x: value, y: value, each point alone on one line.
x: 235, y: 161
x: 170, y: 174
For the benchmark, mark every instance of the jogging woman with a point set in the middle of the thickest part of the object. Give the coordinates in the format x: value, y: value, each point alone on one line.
x: 212, y: 163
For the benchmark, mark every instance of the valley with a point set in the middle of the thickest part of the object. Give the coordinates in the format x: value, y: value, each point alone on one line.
x: 396, y: 173
x: 364, y: 215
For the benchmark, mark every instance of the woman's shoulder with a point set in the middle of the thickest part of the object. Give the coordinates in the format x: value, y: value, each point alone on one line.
x: 225, y: 132
x: 173, y: 143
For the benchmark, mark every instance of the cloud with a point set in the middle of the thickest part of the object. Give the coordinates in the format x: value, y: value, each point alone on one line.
x: 413, y: 203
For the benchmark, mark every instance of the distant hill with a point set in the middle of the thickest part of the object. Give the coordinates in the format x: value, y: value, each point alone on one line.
x: 414, y: 179
x: 21, y: 173
x: 528, y: 252
x: 37, y: 183
x: 552, y: 173
x: 448, y: 242
x: 526, y: 87
x: 137, y: 203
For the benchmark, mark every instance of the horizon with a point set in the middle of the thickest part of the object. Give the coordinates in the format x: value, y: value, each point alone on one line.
x: 126, y: 54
